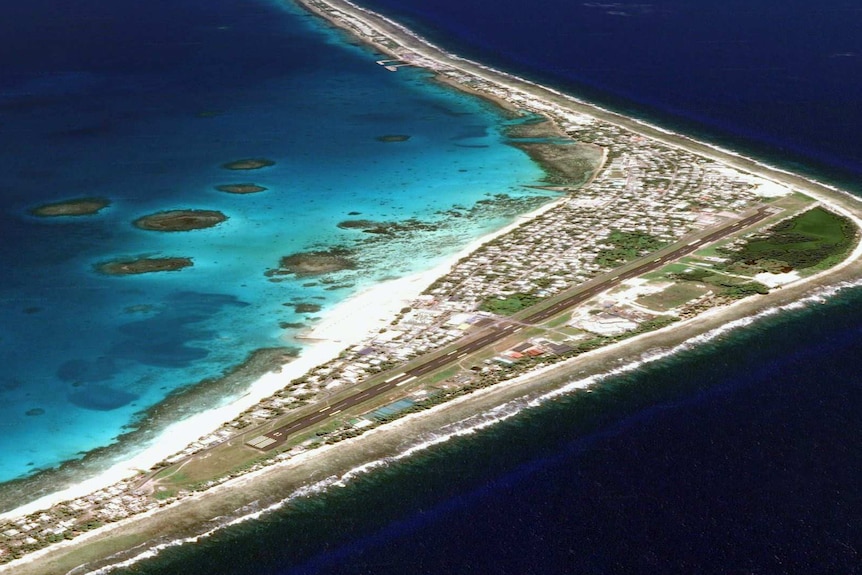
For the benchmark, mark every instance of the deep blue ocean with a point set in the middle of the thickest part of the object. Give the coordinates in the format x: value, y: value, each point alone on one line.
x: 742, y: 455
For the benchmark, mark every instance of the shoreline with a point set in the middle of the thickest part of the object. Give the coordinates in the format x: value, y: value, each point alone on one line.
x: 338, y: 463
x: 398, y: 291
x: 550, y: 97
x: 347, y: 323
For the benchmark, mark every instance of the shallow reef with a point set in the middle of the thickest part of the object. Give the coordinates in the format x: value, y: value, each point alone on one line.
x: 247, y: 188
x: 76, y: 207
x: 180, y: 220
x: 393, y: 138
x: 143, y: 265
x: 248, y: 164
x: 315, y: 263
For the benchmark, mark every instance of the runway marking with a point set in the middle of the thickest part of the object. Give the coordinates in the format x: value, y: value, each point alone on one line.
x: 394, y: 377
x: 324, y: 409
x: 406, y: 381
x: 335, y: 412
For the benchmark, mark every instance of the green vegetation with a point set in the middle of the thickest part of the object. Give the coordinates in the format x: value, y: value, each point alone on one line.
x: 723, y: 285
x: 509, y: 305
x: 739, y: 291
x: 652, y: 325
x: 163, y: 494
x: 816, y: 239
x: 557, y: 322
x: 672, y: 296
x: 626, y: 246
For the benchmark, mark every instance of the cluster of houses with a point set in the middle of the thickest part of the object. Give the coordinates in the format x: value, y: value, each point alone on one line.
x: 647, y: 188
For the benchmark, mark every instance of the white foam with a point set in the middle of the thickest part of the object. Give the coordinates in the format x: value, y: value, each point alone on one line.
x: 472, y: 424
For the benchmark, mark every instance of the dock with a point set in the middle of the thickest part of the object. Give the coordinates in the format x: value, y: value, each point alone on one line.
x: 393, y: 65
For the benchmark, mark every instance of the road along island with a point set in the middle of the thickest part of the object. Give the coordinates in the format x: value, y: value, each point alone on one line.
x: 666, y: 239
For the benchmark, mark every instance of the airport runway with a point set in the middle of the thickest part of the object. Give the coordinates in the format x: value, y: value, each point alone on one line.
x: 498, y: 331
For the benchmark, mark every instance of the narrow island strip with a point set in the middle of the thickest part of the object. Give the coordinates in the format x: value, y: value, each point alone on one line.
x: 669, y: 240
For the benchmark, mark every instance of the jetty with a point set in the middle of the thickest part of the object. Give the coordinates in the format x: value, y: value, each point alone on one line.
x: 393, y: 65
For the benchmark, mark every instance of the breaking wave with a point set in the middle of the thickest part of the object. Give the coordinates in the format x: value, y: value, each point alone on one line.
x: 470, y: 426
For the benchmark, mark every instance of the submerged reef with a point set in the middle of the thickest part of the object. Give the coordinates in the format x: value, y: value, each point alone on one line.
x: 315, y: 263
x: 143, y: 266
x: 303, y: 307
x: 248, y: 164
x: 248, y: 188
x: 357, y: 224
x: 389, y: 228
x: 566, y: 163
x: 180, y: 220
x: 76, y: 207
x: 393, y: 138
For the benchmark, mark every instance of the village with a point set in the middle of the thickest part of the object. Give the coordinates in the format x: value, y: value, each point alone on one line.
x: 647, y: 195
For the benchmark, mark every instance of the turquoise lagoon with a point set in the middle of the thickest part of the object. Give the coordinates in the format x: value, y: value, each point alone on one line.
x: 86, y: 356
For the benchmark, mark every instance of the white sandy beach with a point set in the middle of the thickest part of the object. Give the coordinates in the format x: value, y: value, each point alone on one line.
x: 348, y: 323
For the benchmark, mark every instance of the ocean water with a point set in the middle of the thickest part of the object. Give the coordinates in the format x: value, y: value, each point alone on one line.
x: 142, y: 105
x: 736, y: 456
x: 779, y: 79
x: 741, y: 455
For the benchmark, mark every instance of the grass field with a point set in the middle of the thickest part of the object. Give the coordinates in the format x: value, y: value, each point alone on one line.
x: 625, y: 247
x: 721, y: 284
x: 816, y: 239
x: 510, y: 305
x: 673, y: 296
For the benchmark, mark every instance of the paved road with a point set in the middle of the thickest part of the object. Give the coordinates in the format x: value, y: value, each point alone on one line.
x: 499, y: 330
